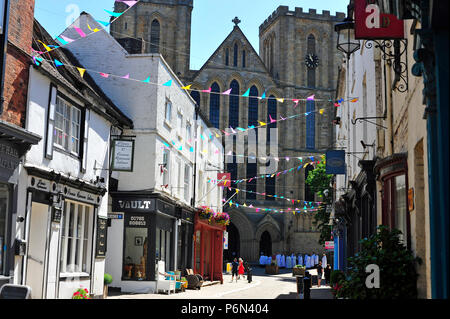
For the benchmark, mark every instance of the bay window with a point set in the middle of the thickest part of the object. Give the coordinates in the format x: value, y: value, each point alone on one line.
x: 76, y: 238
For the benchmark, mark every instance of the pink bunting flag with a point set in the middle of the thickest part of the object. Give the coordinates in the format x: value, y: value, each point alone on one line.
x: 311, y: 98
x: 226, y: 134
x: 207, y: 91
x: 271, y: 119
x: 104, y: 75
x: 129, y: 2
x: 80, y: 32
x: 296, y: 102
x: 67, y: 39
x: 227, y: 92
x: 257, y: 210
x: 126, y: 76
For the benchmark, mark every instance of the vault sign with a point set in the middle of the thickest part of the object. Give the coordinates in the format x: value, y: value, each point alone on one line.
x: 372, y: 24
x: 133, y: 205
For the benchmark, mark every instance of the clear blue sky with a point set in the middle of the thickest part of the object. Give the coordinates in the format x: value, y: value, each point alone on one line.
x: 211, y: 19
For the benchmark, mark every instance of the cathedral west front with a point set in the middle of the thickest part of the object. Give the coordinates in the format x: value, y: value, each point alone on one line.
x: 297, y: 58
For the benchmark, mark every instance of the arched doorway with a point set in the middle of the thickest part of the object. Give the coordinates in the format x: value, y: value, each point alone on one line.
x: 233, y: 244
x: 265, y: 244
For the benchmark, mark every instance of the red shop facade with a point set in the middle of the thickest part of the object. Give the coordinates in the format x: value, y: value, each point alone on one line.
x: 208, y: 248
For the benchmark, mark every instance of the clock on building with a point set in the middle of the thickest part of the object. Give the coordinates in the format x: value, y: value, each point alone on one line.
x: 312, y: 61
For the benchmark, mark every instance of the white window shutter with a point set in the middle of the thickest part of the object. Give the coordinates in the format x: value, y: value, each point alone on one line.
x: 51, y: 122
x: 85, y: 140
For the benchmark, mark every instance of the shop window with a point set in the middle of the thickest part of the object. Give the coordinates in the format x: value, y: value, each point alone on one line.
x: 4, y: 205
x: 67, y: 126
x: 136, y: 247
x: 76, y: 230
x: 165, y: 167
x: 163, y: 248
x: 197, y: 250
x: 395, y: 208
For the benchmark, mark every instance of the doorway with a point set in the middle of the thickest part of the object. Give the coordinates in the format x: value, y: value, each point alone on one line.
x: 265, y: 244
x: 37, y: 242
x: 234, y: 250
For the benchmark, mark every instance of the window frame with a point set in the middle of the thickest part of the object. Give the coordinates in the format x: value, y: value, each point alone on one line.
x: 168, y: 120
x: 71, y: 106
x: 87, y: 247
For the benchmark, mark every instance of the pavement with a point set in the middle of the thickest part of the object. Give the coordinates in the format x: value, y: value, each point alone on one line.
x: 263, y: 286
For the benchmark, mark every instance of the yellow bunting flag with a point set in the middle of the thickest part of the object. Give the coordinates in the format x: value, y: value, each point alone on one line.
x: 280, y: 100
x: 262, y: 123
x: 321, y: 111
x: 186, y: 87
x: 45, y: 46
x: 81, y: 70
x: 95, y: 30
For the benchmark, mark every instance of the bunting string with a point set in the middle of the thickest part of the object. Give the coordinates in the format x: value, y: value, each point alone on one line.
x: 274, y: 210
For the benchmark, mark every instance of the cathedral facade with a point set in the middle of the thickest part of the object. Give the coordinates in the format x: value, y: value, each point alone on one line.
x: 297, y: 58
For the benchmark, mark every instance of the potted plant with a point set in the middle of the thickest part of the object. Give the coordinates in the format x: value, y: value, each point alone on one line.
x: 298, y: 270
x: 272, y: 269
x: 107, y: 280
x: 222, y: 219
x: 81, y: 293
x: 205, y: 212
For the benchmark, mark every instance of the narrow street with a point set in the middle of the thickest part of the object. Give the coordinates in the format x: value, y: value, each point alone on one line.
x: 263, y: 286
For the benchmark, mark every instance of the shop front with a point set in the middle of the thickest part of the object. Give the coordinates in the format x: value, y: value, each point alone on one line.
x: 14, y: 143
x: 65, y: 235
x: 144, y: 229
x: 208, y: 246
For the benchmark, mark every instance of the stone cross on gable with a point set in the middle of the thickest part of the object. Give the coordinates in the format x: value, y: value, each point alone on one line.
x: 236, y: 21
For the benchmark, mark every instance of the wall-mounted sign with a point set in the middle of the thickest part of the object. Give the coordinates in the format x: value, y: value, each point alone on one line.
x: 115, y: 216
x: 225, y: 240
x: 224, y: 179
x: 329, y: 245
x: 335, y: 162
x: 102, y: 228
x: 137, y: 221
x: 122, y: 155
x: 9, y: 159
x: 133, y: 204
x: 372, y: 24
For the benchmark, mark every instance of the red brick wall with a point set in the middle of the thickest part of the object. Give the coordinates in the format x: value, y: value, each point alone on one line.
x: 20, y: 32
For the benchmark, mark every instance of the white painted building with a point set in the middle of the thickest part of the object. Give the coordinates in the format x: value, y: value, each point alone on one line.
x: 152, y: 206
x: 62, y: 195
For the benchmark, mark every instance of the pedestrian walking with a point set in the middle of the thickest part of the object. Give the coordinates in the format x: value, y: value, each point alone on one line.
x: 319, y: 273
x: 241, y: 269
x: 248, y: 271
x: 234, y: 269
x: 327, y: 272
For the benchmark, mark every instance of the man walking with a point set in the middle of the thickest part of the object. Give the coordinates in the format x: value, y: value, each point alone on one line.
x: 234, y: 269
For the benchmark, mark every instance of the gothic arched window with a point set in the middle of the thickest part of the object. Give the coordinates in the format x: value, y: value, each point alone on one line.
x: 233, y: 118
x: 227, y: 56
x: 243, y: 58
x: 310, y: 125
x: 270, y: 186
x: 311, y: 47
x: 251, y: 185
x: 214, y: 105
x: 253, y: 106
x: 154, y: 36
x: 309, y: 195
x: 236, y: 51
x: 271, y: 113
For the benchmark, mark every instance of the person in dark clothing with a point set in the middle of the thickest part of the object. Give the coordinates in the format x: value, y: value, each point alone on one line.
x: 234, y: 269
x: 319, y: 273
x: 327, y: 272
x: 248, y: 271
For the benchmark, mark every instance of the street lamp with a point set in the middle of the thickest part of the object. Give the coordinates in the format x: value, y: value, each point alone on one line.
x: 346, y: 37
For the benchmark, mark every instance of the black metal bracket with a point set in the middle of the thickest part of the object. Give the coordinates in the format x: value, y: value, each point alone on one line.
x: 392, y: 51
x: 360, y: 119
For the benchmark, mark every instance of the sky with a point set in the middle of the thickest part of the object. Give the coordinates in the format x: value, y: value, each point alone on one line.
x: 211, y: 19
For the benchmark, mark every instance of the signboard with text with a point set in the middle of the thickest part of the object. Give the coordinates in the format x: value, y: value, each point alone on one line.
x: 329, y: 245
x: 335, y: 162
x: 372, y: 24
x: 122, y: 155
x: 223, y: 179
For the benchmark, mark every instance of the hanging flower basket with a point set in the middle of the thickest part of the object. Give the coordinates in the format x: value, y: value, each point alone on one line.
x: 222, y: 219
x: 205, y: 212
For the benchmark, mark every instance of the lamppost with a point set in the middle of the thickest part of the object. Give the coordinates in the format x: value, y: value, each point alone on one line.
x: 346, y: 41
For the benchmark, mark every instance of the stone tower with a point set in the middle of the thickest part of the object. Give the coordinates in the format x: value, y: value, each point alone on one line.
x: 157, y: 26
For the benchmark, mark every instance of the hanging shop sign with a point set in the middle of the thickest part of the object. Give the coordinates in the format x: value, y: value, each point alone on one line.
x: 102, y: 228
x: 335, y: 162
x: 225, y: 240
x: 122, y: 155
x: 372, y: 24
x: 224, y: 178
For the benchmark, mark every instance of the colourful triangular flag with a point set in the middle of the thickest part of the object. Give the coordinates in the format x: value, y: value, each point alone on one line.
x: 247, y: 93
x: 168, y: 83
x: 114, y: 14
x: 81, y: 70
x: 207, y: 91
x: 58, y: 63
x: 147, y: 80
x: 227, y: 92
x: 186, y: 87
x: 262, y: 123
x: 311, y: 98
x: 80, y: 32
x: 45, y: 46
x: 95, y: 30
x: 280, y: 100
x: 126, y: 76
x: 104, y: 23
x: 105, y: 75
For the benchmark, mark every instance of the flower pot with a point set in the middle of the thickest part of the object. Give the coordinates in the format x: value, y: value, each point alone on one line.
x: 298, y: 271
x: 272, y: 269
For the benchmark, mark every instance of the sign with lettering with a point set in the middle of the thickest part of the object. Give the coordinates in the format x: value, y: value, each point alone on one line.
x: 136, y: 221
x: 329, y: 245
x: 225, y: 240
x: 133, y: 204
x: 9, y: 159
x: 123, y: 155
x: 372, y: 24
x: 335, y: 162
x: 223, y: 179
x: 102, y: 228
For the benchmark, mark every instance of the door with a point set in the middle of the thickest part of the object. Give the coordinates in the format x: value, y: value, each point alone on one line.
x: 37, y: 242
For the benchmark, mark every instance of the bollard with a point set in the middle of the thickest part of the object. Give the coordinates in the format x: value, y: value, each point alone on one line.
x: 307, y: 287
x: 300, y: 289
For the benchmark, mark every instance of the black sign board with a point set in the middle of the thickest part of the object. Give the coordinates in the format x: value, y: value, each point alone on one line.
x: 9, y: 159
x: 137, y: 220
x: 133, y: 205
x: 102, y: 228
